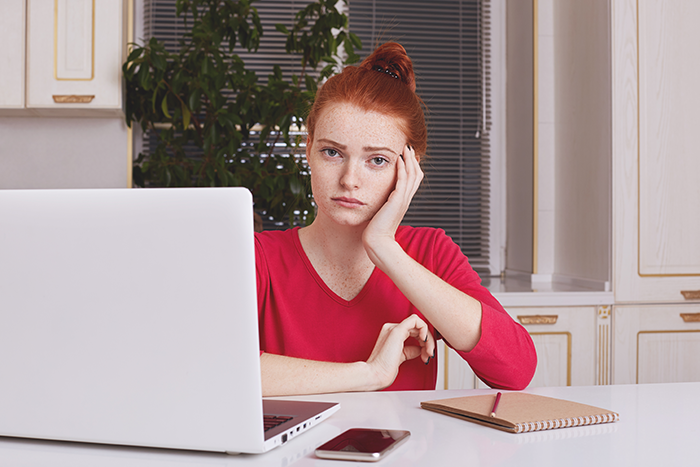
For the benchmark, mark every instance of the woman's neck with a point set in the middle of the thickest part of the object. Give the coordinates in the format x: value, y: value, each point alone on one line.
x: 335, y: 243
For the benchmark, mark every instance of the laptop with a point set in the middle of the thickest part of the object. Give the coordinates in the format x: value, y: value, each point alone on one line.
x: 129, y: 317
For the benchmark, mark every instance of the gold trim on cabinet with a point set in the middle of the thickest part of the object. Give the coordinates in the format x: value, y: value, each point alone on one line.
x: 538, y: 319
x: 691, y: 317
x: 568, y: 350
x: 55, y: 46
x: 72, y: 99
x: 639, y: 173
x: 681, y: 331
x: 691, y: 294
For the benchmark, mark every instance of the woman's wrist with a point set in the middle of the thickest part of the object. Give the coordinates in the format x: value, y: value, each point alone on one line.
x: 383, y: 251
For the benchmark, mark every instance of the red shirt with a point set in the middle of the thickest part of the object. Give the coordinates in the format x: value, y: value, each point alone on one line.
x: 300, y: 316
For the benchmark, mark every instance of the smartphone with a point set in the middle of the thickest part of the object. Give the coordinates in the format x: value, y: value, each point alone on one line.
x: 363, y: 444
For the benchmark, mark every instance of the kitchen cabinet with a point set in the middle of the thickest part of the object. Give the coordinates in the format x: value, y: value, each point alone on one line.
x: 656, y: 195
x: 656, y: 344
x: 64, y: 57
x: 656, y: 165
x: 12, y: 65
x: 572, y: 343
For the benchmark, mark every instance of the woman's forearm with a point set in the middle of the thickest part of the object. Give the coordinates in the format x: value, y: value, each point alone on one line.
x: 452, y: 312
x: 283, y: 375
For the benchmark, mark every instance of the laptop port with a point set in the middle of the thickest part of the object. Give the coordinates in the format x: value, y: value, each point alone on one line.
x: 284, y: 438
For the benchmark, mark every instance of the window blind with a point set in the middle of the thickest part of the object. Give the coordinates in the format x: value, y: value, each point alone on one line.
x: 448, y: 43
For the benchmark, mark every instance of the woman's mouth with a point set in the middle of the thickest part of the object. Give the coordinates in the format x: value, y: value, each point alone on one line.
x: 348, y: 202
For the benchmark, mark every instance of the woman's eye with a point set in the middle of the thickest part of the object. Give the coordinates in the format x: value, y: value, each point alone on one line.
x: 330, y: 152
x: 379, y: 161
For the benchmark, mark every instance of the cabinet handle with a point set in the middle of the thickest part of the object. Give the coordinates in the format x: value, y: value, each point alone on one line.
x: 72, y: 99
x: 691, y: 294
x: 691, y: 317
x: 538, y: 319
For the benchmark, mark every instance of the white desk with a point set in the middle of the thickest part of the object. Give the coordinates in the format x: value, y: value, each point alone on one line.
x: 659, y: 426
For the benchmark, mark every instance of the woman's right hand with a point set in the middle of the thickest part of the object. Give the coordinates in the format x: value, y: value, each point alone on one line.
x: 392, y: 348
x: 283, y: 376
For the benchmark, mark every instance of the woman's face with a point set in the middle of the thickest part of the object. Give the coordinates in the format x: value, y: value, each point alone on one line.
x: 353, y: 162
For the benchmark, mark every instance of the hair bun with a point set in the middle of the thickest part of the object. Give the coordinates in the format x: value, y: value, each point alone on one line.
x: 391, y: 58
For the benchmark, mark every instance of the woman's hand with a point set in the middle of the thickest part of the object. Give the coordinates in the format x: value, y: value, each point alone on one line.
x: 391, y: 348
x: 283, y: 375
x: 382, y: 227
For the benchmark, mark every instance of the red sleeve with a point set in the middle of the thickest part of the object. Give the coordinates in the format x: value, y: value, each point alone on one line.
x: 505, y: 356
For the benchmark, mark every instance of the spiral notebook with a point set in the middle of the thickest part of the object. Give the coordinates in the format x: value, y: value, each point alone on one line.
x: 520, y: 412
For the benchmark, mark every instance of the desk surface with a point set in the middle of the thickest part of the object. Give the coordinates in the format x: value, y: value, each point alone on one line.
x: 658, y: 426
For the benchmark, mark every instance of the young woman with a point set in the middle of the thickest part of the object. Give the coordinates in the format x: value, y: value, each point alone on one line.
x: 355, y: 302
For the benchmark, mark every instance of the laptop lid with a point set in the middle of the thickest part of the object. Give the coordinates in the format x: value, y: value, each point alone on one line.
x: 130, y: 317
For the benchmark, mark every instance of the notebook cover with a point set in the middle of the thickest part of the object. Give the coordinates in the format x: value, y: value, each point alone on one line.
x: 520, y: 412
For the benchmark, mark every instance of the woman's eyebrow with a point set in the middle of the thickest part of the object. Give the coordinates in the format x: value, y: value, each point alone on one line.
x: 332, y: 143
x: 378, y: 148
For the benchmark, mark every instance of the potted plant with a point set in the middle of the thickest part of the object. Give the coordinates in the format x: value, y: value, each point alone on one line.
x: 204, y: 97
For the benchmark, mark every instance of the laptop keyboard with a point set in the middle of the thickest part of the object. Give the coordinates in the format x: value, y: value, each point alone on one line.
x: 271, y: 421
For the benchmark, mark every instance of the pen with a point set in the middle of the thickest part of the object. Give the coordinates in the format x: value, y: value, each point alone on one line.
x: 495, y: 404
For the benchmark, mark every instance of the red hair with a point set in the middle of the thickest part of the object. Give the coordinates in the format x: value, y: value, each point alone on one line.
x: 384, y: 82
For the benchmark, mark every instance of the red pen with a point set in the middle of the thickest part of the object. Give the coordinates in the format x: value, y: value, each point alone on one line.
x: 495, y: 404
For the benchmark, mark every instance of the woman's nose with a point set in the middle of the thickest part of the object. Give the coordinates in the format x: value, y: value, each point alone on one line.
x: 350, y: 178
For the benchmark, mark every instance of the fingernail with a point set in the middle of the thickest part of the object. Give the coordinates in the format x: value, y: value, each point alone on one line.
x: 428, y: 360
x: 426, y: 338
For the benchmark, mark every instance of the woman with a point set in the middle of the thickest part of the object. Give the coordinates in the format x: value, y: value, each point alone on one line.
x: 355, y: 302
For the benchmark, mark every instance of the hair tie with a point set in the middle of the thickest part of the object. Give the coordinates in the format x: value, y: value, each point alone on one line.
x: 388, y: 72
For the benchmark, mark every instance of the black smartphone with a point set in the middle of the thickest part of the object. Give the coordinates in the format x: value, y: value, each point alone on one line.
x: 363, y: 444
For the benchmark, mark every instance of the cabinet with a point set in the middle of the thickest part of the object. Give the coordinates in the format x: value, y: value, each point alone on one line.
x: 656, y: 194
x: 573, y: 348
x: 74, y: 52
x: 656, y: 344
x: 12, y: 35
x: 656, y: 165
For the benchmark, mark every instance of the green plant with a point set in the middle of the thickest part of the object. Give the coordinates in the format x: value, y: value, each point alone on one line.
x: 204, y: 97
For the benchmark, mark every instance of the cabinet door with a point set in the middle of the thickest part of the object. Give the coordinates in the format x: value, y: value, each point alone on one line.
x: 572, y: 348
x: 75, y: 49
x: 656, y: 164
x: 12, y: 33
x: 656, y: 344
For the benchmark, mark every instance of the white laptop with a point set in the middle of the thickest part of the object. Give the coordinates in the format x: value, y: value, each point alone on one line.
x: 129, y: 317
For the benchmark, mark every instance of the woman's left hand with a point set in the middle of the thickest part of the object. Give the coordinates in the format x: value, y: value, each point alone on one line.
x: 383, y: 225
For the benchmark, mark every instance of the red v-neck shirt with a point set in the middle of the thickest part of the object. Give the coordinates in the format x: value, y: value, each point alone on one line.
x: 300, y: 316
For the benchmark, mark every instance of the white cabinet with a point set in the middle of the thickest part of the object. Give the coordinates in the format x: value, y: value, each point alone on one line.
x: 572, y: 343
x: 74, y: 53
x: 12, y: 35
x: 656, y: 164
x: 656, y: 344
x: 656, y: 194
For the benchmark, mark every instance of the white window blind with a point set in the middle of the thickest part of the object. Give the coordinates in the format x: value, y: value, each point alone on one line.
x: 448, y: 41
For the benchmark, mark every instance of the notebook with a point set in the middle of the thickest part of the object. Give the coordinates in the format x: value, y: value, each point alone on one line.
x: 519, y: 412
x: 129, y: 317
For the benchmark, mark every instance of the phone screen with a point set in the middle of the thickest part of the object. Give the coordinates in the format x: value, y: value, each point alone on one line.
x: 362, y: 444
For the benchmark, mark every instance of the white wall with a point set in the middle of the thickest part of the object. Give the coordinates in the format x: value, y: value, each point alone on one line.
x: 63, y: 152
